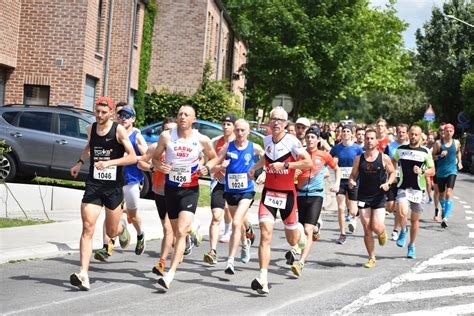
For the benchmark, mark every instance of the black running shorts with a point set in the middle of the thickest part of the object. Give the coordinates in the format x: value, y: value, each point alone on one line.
x: 217, y: 196
x: 447, y: 182
x: 160, y: 203
x: 181, y: 199
x: 309, y: 209
x: 103, y: 196
x: 234, y: 198
x: 344, y: 188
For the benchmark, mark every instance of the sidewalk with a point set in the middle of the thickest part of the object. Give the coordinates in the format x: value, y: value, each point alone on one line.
x: 62, y: 206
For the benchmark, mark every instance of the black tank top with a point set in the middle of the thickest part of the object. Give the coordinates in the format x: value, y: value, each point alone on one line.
x: 105, y: 148
x: 371, y: 176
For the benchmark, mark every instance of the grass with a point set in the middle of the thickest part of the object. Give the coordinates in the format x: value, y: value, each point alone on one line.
x: 204, y: 196
x: 15, y: 222
x: 58, y: 182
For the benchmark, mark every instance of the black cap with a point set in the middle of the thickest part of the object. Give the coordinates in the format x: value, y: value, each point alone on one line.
x: 347, y: 127
x: 313, y: 130
x: 228, y: 118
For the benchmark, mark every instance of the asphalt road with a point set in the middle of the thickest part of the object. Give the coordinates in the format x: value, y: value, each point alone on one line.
x: 441, y: 279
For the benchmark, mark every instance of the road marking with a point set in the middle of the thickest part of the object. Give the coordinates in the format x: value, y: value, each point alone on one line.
x: 466, y: 206
x: 463, y: 202
x: 398, y: 281
x: 456, y: 197
x: 468, y: 218
x: 420, y: 295
x: 470, y: 212
x: 450, y: 261
x: 446, y: 310
x: 440, y: 275
x: 470, y: 225
x: 471, y: 234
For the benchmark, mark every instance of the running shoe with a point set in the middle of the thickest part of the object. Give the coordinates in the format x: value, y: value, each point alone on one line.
x: 297, y: 267
x: 140, y: 247
x: 402, y: 238
x: 290, y: 256
x: 188, y: 248
x: 225, y: 238
x: 444, y: 223
x: 370, y: 263
x: 411, y: 252
x: 159, y: 268
x: 259, y: 286
x: 124, y: 237
x: 341, y: 240
x: 101, y: 254
x: 395, y: 234
x: 316, y: 233
x: 210, y: 257
x: 80, y: 280
x: 196, y: 236
x: 352, y: 225
x: 229, y: 269
x: 348, y: 218
x: 383, y: 238
x: 165, y: 284
x: 250, y: 234
x: 245, y: 253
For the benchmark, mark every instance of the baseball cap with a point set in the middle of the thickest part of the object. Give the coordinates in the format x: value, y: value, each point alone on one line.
x: 127, y: 110
x: 106, y: 101
x: 303, y: 121
x: 449, y: 126
x: 228, y: 118
x: 347, y: 127
x: 313, y: 130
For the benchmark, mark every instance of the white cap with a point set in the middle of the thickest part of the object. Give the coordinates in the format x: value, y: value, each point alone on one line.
x: 303, y: 121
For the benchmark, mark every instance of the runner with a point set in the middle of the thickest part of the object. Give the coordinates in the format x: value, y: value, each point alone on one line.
x: 448, y: 154
x: 291, y: 128
x: 158, y: 182
x: 382, y: 134
x: 311, y: 192
x: 435, y: 181
x: 218, y: 204
x: 283, y: 154
x: 344, y: 154
x: 239, y: 157
x: 183, y: 147
x: 415, y: 162
x: 402, y: 139
x: 107, y: 143
x: 372, y: 168
x: 360, y: 136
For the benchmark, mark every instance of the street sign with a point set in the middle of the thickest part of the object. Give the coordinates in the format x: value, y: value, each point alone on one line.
x: 429, y: 114
x: 283, y: 100
x: 463, y: 121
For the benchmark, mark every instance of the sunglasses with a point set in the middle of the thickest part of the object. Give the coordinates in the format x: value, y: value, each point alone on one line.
x: 277, y: 120
x: 125, y: 115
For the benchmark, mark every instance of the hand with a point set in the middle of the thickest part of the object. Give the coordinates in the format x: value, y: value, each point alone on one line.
x: 277, y: 166
x: 164, y: 167
x: 385, y: 186
x: 460, y: 166
x: 225, y: 164
x: 203, y: 171
x: 444, y: 153
x: 261, y: 178
x: 75, y: 169
x: 298, y: 172
x: 417, y: 170
x: 335, y: 188
x: 101, y: 165
x: 352, y: 183
x: 251, y: 173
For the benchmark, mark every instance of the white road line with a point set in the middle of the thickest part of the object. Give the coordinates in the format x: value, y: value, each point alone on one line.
x: 455, y: 197
x: 471, y: 234
x: 446, y: 310
x: 468, y: 218
x: 419, y: 295
x: 466, y: 206
x: 469, y: 212
x: 396, y: 282
x: 450, y: 261
x: 470, y: 225
x: 440, y: 275
x: 463, y: 202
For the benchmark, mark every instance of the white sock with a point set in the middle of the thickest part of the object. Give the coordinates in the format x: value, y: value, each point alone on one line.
x: 263, y: 275
x: 169, y: 277
x: 230, y: 260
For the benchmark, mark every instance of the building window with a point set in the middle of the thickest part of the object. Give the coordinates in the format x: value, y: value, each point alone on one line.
x: 3, y: 82
x: 36, y: 95
x: 100, y: 17
x: 89, y: 93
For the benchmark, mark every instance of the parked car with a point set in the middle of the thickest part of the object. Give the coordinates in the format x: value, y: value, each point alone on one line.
x: 260, y: 128
x: 467, y: 156
x: 45, y: 141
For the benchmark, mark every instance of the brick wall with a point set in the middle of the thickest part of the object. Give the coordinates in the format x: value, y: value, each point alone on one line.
x: 178, y: 45
x: 9, y: 32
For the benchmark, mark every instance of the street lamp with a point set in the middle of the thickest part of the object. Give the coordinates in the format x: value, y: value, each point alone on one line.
x: 459, y: 20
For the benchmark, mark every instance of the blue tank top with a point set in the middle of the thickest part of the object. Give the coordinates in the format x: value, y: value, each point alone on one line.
x: 447, y: 165
x: 132, y: 173
x: 236, y: 178
x: 345, y: 156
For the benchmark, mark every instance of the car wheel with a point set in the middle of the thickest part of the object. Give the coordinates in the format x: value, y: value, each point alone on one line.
x: 8, y: 168
x: 145, y: 184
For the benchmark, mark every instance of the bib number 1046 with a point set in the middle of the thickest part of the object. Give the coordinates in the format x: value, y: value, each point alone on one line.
x: 107, y: 174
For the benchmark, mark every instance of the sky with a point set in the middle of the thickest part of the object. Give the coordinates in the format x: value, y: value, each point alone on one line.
x: 413, y: 12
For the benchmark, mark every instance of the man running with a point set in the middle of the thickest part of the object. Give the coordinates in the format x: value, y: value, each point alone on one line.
x: 283, y: 154
x: 183, y: 147
x: 218, y: 205
x: 360, y: 136
x: 415, y: 162
x: 382, y: 134
x: 106, y: 145
x: 239, y: 157
x: 447, y: 153
x: 372, y: 167
x: 436, y: 201
x: 344, y: 154
x: 158, y: 187
x: 402, y: 139
x: 310, y: 189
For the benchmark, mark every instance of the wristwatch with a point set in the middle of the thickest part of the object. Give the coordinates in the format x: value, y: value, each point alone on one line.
x: 286, y: 165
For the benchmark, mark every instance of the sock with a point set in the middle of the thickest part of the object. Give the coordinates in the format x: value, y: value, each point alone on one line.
x: 448, y: 204
x: 105, y: 246
x: 436, y: 211
x: 140, y: 236
x: 169, y: 277
x: 113, y: 241
x: 263, y: 275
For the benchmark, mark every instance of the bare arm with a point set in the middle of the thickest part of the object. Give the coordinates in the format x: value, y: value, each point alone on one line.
x: 435, y: 150
x: 355, y: 172
x: 84, y: 155
x: 458, y: 154
x: 303, y: 162
x: 160, y: 149
x: 145, y: 160
x: 209, y: 153
x: 391, y: 172
x: 221, y: 158
x: 141, y: 144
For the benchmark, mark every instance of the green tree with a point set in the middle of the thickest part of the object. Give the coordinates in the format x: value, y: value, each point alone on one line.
x: 467, y: 89
x: 445, y: 55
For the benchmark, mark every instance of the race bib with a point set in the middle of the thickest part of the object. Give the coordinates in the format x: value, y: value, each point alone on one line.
x: 237, y: 181
x: 361, y: 204
x: 415, y: 196
x: 275, y: 199
x: 345, y: 172
x: 107, y: 174
x: 180, y: 175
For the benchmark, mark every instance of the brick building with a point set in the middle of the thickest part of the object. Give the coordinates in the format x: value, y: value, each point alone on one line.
x: 69, y: 52
x: 187, y: 33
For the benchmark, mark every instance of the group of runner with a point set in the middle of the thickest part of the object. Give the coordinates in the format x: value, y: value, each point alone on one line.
x: 369, y: 179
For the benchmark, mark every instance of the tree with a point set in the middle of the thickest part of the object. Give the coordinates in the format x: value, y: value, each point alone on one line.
x: 467, y: 89
x: 445, y: 55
